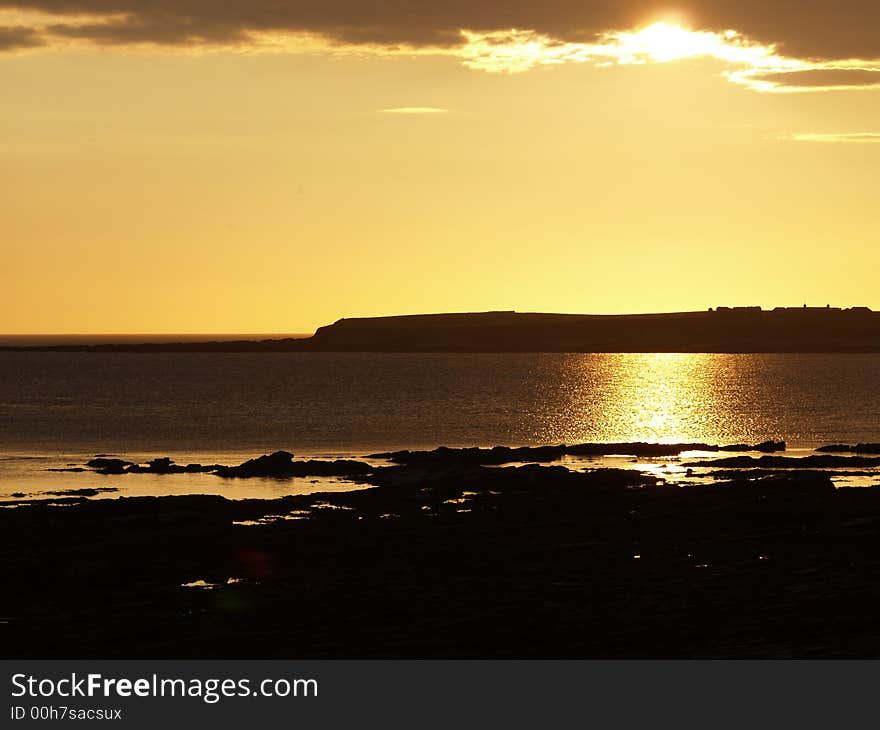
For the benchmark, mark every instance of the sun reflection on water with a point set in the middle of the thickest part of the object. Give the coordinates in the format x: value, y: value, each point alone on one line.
x: 665, y: 395
x: 657, y: 397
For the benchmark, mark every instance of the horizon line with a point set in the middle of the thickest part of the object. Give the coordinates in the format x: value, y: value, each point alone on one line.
x: 308, y: 333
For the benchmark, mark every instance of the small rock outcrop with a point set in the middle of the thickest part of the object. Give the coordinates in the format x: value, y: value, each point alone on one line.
x: 105, y: 465
x: 281, y: 464
x: 165, y: 465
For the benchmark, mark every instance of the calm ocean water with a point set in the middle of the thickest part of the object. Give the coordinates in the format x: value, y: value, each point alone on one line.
x: 56, y: 340
x: 212, y: 407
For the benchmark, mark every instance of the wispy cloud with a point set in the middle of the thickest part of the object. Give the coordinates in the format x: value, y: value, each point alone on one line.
x: 841, y: 76
x: 415, y: 110
x: 853, y: 137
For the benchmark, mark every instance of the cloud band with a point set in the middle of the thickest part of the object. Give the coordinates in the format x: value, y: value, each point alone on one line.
x: 799, y: 42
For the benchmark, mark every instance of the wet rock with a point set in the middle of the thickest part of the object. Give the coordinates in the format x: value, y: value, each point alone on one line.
x: 85, y: 492
x: 337, y: 468
x: 542, y: 454
x: 106, y: 465
x: 765, y: 447
x: 200, y: 468
x: 788, y: 462
x: 475, y: 456
x: 278, y: 464
x: 845, y: 448
x: 530, y: 476
x: 640, y: 448
x: 798, y: 483
x: 165, y: 465
x: 281, y: 464
x: 637, y: 448
x: 44, y: 502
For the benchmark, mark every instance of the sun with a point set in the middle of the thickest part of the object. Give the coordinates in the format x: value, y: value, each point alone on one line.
x: 663, y: 42
x: 660, y: 42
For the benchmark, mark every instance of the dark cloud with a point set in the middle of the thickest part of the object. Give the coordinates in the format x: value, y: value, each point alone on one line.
x: 821, y: 29
x: 821, y: 77
x: 15, y: 38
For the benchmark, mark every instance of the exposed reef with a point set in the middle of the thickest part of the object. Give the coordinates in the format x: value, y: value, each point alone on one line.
x: 279, y: 464
x: 70, y: 496
x: 814, y: 461
x: 282, y: 464
x: 84, y: 492
x: 508, y: 455
x: 857, y: 449
x: 161, y: 465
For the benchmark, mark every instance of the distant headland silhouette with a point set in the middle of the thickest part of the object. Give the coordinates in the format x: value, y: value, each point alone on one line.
x: 718, y: 329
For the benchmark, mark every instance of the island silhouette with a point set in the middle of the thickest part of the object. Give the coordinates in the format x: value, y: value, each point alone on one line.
x: 719, y: 329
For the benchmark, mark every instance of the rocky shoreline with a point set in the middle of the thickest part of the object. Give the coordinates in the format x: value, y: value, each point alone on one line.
x: 454, y: 557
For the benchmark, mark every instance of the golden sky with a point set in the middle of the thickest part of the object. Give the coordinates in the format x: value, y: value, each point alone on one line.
x: 273, y: 166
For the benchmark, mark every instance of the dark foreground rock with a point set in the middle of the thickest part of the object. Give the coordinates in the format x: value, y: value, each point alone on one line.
x: 474, y: 562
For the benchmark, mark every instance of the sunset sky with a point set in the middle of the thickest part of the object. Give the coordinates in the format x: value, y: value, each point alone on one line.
x: 271, y: 165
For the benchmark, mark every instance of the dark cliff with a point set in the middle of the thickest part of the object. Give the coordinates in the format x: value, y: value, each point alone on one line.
x: 734, y: 330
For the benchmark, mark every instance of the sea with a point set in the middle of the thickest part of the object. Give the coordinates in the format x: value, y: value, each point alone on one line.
x: 59, y: 409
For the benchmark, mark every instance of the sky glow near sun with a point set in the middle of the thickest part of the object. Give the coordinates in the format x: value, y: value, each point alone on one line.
x: 518, y: 51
